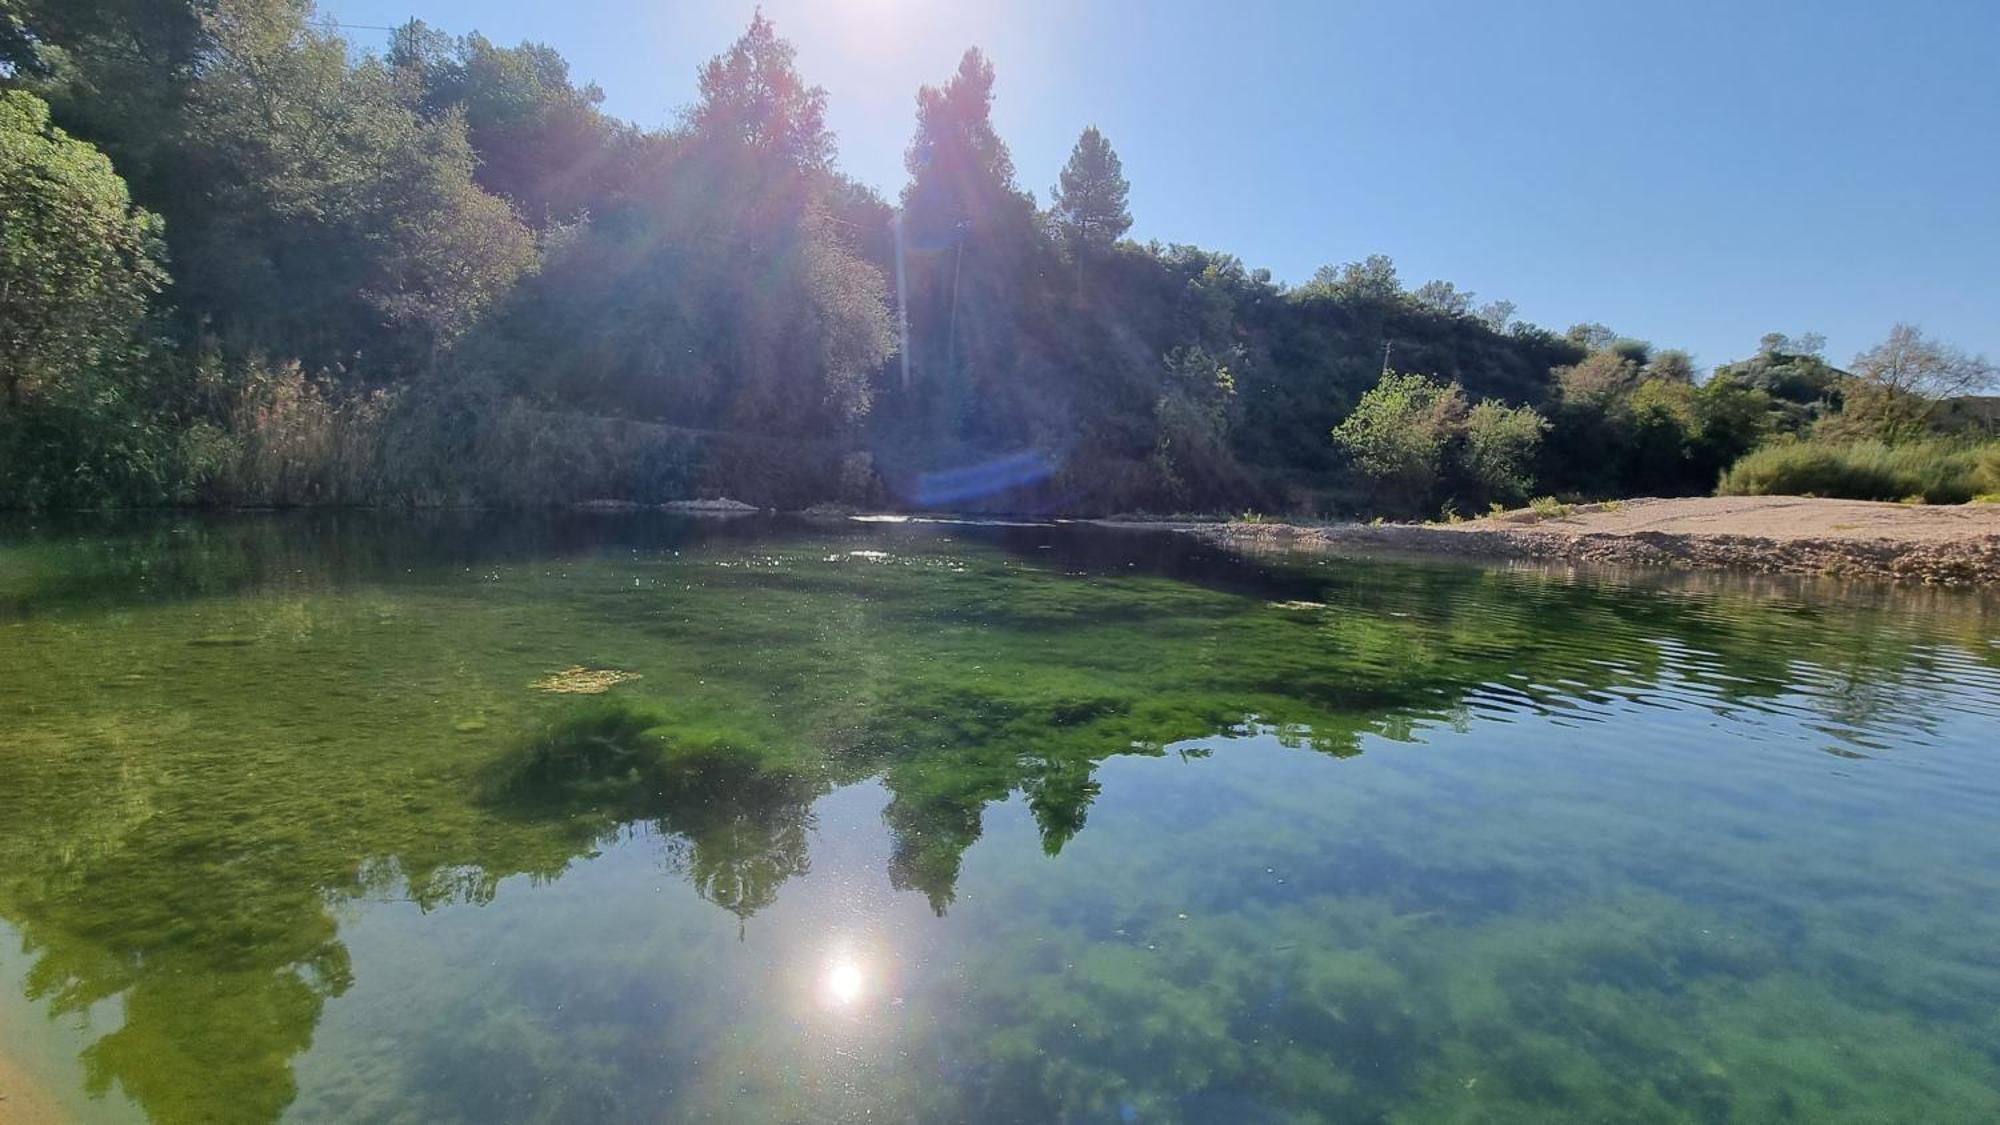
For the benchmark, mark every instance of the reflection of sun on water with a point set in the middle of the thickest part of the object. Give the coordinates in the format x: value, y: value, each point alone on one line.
x: 845, y: 981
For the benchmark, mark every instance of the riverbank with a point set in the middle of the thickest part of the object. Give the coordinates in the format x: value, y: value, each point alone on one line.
x: 1944, y: 545
x: 23, y: 1101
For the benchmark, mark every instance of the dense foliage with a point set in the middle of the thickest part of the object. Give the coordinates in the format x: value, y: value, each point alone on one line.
x: 1931, y: 472
x: 444, y: 276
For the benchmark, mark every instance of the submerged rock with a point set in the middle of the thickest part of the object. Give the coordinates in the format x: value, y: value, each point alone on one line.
x: 716, y: 504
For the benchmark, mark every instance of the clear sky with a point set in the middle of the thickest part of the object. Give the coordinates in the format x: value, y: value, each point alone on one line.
x: 1693, y: 173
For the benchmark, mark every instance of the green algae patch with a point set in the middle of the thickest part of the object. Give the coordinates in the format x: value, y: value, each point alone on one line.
x: 578, y: 680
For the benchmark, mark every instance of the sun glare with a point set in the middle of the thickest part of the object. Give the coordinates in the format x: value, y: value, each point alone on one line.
x: 845, y: 982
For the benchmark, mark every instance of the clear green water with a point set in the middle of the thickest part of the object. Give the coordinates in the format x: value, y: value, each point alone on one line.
x: 940, y: 823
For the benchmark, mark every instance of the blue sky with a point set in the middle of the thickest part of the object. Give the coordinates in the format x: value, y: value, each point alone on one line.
x: 1693, y: 173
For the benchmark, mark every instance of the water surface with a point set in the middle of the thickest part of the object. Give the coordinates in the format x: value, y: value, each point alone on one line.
x: 940, y: 822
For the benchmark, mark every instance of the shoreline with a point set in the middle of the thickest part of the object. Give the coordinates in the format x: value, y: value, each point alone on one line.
x: 23, y: 1101
x: 1939, y: 545
x: 1957, y: 545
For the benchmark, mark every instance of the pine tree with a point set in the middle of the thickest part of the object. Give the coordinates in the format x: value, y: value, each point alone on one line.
x: 1089, y: 198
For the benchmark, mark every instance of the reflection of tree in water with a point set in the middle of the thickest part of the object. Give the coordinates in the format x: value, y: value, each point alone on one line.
x: 736, y: 820
x: 737, y: 832
x: 931, y: 838
x: 220, y: 969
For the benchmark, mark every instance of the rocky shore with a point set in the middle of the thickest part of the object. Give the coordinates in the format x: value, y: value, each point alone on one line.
x: 1955, y: 546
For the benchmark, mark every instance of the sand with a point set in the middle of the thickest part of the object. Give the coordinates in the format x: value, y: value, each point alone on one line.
x: 22, y: 1101
x: 1944, y: 545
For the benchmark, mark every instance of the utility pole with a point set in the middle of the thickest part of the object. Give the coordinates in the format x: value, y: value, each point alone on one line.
x: 902, y: 298
x: 958, y: 268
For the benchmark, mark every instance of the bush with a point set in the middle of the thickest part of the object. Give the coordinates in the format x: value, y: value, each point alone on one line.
x: 1499, y: 454
x: 1939, y: 472
x: 301, y: 441
x: 1395, y: 440
x: 1413, y: 445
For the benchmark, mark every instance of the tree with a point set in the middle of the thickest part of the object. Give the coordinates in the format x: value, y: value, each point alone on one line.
x: 541, y: 140
x: 79, y: 268
x: 1500, y: 446
x: 1779, y: 344
x: 1496, y: 315
x: 960, y: 169
x: 1672, y: 365
x: 970, y: 240
x: 342, y: 227
x: 1602, y: 381
x: 1443, y: 298
x: 1899, y: 382
x: 115, y: 72
x: 1371, y: 279
x: 724, y: 296
x: 1799, y: 387
x: 752, y: 93
x: 1591, y: 335
x: 1191, y: 449
x: 78, y: 262
x: 1414, y: 443
x: 1397, y: 437
x: 1089, y: 198
x: 447, y: 250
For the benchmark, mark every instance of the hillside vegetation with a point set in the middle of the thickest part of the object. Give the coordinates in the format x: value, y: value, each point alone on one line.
x: 243, y: 265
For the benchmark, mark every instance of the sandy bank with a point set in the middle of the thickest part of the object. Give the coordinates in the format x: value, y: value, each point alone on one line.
x: 1957, y: 545
x: 22, y: 1101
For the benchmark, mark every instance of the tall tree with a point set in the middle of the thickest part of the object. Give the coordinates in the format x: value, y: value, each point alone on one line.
x: 960, y: 169
x: 78, y: 267
x: 726, y: 297
x: 1089, y: 198
x: 542, y: 142
x: 752, y: 93
x: 117, y: 72
x: 1899, y: 383
x: 970, y: 233
x: 341, y: 227
x: 78, y: 262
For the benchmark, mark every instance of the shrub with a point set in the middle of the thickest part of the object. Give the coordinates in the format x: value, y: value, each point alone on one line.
x: 1413, y: 443
x: 1939, y: 472
x: 1986, y: 468
x: 1396, y: 439
x: 1500, y: 445
x: 300, y: 441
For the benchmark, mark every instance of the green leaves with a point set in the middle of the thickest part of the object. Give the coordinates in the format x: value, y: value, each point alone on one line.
x: 1088, y: 200
x: 1414, y: 445
x: 78, y: 262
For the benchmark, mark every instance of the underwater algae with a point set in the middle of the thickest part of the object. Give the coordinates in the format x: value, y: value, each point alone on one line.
x: 578, y: 680
x: 1124, y: 826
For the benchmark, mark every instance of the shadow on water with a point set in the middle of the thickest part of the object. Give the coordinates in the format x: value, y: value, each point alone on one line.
x: 182, y: 821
